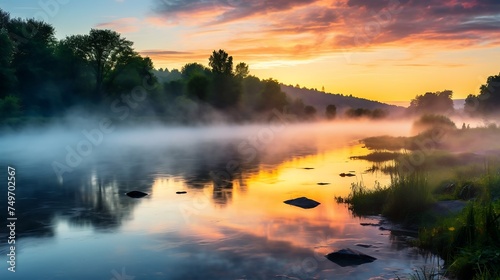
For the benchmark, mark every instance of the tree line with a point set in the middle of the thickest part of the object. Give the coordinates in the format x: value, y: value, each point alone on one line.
x: 42, y: 78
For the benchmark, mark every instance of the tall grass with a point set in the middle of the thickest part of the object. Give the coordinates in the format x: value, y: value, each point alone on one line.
x: 402, y: 201
x: 469, y: 242
x: 364, y: 201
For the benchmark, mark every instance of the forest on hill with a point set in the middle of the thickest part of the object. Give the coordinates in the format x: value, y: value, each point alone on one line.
x: 42, y: 79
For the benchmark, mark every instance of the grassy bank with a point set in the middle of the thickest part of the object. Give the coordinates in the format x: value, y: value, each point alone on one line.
x: 402, y: 201
x: 468, y: 241
x: 458, y: 165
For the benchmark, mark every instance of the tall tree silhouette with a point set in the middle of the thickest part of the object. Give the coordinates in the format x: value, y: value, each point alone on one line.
x: 221, y: 62
x: 103, y: 50
x: 242, y: 70
x: 433, y: 102
x: 488, y: 99
x: 331, y: 111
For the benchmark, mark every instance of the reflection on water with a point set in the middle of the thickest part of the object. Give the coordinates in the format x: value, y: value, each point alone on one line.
x: 231, y: 224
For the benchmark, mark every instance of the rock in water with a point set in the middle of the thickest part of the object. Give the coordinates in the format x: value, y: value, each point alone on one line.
x: 302, y: 202
x: 136, y: 194
x: 349, y: 257
x: 181, y: 192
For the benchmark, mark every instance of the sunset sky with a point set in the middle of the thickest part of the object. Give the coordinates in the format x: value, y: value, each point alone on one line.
x: 387, y: 50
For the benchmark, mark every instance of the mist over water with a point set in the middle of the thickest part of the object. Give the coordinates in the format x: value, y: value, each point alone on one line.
x: 89, y: 140
x: 232, y: 223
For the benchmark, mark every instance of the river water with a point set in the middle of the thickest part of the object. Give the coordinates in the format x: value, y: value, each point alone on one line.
x: 74, y: 220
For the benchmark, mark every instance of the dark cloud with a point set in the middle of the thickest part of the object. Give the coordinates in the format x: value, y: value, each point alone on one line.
x: 315, y: 27
x: 226, y: 10
x: 386, y: 21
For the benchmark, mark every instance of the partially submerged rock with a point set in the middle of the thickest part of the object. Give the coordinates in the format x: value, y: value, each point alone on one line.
x: 370, y: 224
x: 346, y: 175
x: 323, y: 183
x: 349, y: 257
x: 363, y: 245
x: 302, y: 202
x: 136, y: 194
x: 181, y: 192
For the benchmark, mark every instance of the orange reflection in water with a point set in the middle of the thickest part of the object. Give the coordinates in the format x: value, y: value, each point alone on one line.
x: 254, y: 204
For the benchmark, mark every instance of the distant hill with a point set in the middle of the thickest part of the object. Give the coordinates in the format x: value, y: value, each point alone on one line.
x: 320, y: 100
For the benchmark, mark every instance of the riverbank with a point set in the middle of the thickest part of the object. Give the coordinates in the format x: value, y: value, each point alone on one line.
x: 450, y: 195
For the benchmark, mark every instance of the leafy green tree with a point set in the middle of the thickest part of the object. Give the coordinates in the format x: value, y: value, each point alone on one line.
x: 10, y: 107
x: 7, y: 75
x: 225, y: 91
x: 252, y: 87
x: 272, y: 97
x: 75, y: 76
x: 130, y: 72
x: 104, y: 50
x: 309, y: 112
x: 432, y: 102
x: 191, y: 69
x: 331, y: 112
x: 242, y: 70
x: 197, y: 87
x: 221, y: 63
x: 358, y: 113
x: 488, y: 100
x: 33, y: 62
x: 4, y: 19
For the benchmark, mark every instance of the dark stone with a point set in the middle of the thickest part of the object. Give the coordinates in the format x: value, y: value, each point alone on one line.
x: 308, y: 168
x: 302, y: 202
x: 370, y: 224
x: 346, y: 175
x: 136, y: 194
x: 363, y: 245
x: 349, y: 257
x: 181, y: 192
x: 323, y: 184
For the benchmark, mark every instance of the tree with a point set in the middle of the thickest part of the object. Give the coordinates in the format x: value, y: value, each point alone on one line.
x: 191, y: 69
x: 488, y: 100
x: 242, y: 70
x: 331, y: 111
x: 252, y: 88
x: 130, y: 72
x: 103, y: 50
x: 271, y: 96
x: 432, y: 102
x: 33, y: 62
x: 197, y: 87
x: 4, y: 19
x: 225, y: 91
x: 10, y: 107
x: 7, y: 75
x: 310, y: 112
x: 221, y: 63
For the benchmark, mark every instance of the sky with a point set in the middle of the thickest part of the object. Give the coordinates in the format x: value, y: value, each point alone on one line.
x: 386, y: 50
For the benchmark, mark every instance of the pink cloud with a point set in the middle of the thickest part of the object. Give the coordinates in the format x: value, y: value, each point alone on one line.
x: 122, y: 25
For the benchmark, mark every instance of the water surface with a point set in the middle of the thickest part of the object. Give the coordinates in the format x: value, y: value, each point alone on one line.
x: 232, y: 222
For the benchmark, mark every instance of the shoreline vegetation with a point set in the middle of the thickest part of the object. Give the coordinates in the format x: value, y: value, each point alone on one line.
x: 44, y: 80
x: 461, y: 168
